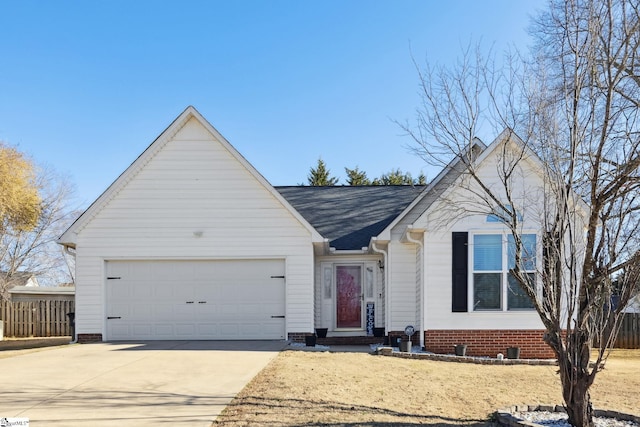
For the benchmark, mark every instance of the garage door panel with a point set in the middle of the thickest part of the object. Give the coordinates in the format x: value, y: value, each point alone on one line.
x: 195, y: 299
x: 229, y: 331
x: 142, y: 312
x: 162, y: 312
x: 228, y: 309
x: 124, y: 310
x: 163, y: 330
x: 207, y: 329
x: 144, y: 330
x: 185, y: 330
x: 164, y: 292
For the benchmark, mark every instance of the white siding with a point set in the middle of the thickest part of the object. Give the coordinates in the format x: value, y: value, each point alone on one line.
x: 438, y: 314
x: 401, y: 290
x: 193, y: 200
x: 438, y: 251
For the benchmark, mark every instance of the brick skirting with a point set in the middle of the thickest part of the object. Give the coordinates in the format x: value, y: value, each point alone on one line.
x: 298, y: 336
x: 489, y: 342
x: 87, y: 338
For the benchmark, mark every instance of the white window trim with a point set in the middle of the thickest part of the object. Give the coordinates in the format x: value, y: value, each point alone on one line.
x: 504, y: 285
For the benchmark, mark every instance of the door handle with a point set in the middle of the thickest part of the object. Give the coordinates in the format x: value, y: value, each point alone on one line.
x: 202, y: 302
x: 277, y: 317
x: 189, y: 302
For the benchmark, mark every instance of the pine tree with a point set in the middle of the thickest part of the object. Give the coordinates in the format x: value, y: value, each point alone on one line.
x: 394, y: 177
x: 357, y: 177
x: 321, y: 176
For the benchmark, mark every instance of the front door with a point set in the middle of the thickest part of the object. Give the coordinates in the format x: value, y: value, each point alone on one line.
x: 349, y: 297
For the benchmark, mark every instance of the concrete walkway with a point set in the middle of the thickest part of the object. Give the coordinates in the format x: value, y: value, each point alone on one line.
x: 177, y: 383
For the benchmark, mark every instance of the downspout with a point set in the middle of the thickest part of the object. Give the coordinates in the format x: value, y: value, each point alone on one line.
x: 386, y: 281
x: 422, y: 286
x: 70, y: 251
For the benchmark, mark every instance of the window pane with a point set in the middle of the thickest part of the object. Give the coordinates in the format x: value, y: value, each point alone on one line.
x: 486, y: 291
x: 528, y: 251
x: 517, y: 298
x: 487, y: 252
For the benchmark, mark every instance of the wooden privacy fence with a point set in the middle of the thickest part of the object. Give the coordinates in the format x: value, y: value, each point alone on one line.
x: 629, y: 335
x: 36, y: 318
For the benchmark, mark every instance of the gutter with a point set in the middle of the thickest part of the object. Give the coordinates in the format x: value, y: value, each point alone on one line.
x: 69, y: 250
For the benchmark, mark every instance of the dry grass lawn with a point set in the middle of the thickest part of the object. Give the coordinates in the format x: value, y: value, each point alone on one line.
x: 354, y: 389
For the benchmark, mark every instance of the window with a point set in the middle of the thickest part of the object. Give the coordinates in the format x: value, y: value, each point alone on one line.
x: 494, y: 288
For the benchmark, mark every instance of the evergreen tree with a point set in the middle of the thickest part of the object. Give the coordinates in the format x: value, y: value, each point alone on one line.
x: 357, y: 177
x: 394, y: 177
x: 321, y: 176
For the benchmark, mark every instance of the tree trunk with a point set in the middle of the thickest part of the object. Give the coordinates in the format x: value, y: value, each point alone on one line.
x: 578, y: 403
x: 573, y: 362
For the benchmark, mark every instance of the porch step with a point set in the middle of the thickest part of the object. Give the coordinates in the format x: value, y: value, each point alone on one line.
x: 350, y: 340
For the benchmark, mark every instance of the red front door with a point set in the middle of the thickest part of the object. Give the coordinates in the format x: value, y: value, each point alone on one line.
x: 349, y: 296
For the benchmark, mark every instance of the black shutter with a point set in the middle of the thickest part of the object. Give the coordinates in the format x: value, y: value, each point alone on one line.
x: 459, y: 273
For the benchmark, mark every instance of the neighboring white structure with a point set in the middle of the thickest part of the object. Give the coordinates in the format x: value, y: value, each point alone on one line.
x: 191, y: 242
x: 20, y: 278
x: 634, y: 305
x: 50, y: 293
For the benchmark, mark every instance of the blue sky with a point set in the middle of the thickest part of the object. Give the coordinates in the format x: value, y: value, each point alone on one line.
x: 86, y: 86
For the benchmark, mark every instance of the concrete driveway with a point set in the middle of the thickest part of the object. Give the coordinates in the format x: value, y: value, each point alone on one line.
x: 173, y: 383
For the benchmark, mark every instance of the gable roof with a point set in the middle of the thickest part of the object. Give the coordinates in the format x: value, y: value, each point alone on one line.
x: 68, y: 238
x: 432, y: 192
x: 348, y: 216
x: 507, y: 136
x: 19, y: 278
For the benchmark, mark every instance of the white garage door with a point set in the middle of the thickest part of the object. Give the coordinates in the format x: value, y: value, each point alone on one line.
x: 222, y: 300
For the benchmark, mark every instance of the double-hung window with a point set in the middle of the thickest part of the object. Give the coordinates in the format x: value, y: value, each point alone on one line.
x: 494, y: 287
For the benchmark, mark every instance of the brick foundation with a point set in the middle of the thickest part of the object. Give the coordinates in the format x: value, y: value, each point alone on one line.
x: 299, y: 336
x: 361, y: 340
x: 87, y: 338
x: 489, y: 342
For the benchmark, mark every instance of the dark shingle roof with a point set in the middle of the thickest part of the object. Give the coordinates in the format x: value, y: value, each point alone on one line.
x: 350, y: 215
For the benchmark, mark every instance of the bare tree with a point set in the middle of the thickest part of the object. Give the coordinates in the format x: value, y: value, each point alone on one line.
x: 35, y: 250
x: 574, y: 107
